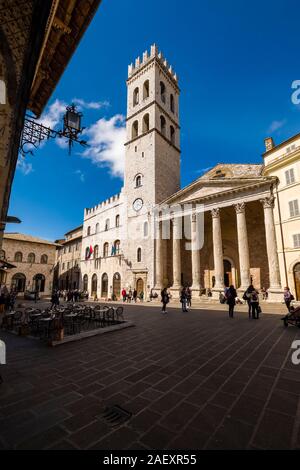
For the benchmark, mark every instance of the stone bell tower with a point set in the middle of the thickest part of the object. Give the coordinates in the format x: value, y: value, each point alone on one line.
x: 152, y: 157
x: 152, y: 161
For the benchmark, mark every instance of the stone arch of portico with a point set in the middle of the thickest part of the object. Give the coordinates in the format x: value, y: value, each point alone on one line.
x: 291, y: 277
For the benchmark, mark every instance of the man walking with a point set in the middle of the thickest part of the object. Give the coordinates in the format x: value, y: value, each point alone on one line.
x: 183, y: 300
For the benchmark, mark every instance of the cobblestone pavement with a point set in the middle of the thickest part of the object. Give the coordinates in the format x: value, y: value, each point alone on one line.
x: 197, y: 380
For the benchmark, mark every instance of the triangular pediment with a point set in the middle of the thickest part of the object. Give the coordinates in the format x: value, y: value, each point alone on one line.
x: 220, y: 179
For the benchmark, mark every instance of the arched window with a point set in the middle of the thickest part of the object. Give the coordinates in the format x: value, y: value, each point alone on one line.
x: 107, y: 225
x: 172, y: 107
x: 116, y: 286
x: 162, y: 125
x: 105, y: 250
x: 104, y: 285
x: 139, y: 255
x: 145, y: 229
x: 96, y: 251
x: 146, y: 89
x: 117, y: 221
x: 85, y: 282
x: 116, y: 248
x: 2, y: 254
x: 88, y: 231
x: 138, y: 181
x: 94, y: 285
x: 18, y: 257
x: 136, y: 96
x: 135, y: 130
x: 39, y: 282
x: 31, y: 258
x: 44, y: 259
x: 172, y: 135
x: 162, y: 92
x: 18, y: 282
x: 97, y: 228
x: 146, y: 123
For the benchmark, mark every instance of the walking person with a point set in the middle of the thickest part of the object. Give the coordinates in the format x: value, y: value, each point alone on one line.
x: 188, y: 297
x: 247, y: 297
x: 124, y: 294
x: 288, y: 297
x: 129, y: 297
x: 231, y: 295
x: 254, y: 301
x: 165, y: 298
x: 135, y: 295
x: 54, y: 299
x: 183, y: 300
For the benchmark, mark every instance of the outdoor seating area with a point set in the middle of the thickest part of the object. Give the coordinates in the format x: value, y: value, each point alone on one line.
x: 55, y: 324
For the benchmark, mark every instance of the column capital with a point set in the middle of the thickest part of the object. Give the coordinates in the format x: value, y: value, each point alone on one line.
x: 268, y: 202
x: 240, y: 207
x: 215, y: 212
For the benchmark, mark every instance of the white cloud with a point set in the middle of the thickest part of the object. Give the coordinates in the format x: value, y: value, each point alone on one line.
x: 275, y: 125
x: 24, y: 167
x: 90, y: 104
x: 203, y: 170
x: 81, y: 175
x: 106, y: 140
x: 54, y: 114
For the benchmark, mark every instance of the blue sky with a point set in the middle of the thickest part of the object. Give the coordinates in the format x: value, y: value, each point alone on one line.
x: 236, y: 62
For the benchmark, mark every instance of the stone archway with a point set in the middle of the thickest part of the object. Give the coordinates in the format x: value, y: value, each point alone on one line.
x: 104, y: 285
x: 94, y: 285
x: 296, y: 272
x: 116, y: 286
x: 139, y: 286
x: 18, y: 282
x: 39, y: 282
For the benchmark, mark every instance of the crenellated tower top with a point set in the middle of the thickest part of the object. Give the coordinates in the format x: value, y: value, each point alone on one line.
x: 147, y: 57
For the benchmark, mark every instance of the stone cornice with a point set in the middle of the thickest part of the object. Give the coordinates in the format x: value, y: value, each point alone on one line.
x: 141, y: 110
x: 245, y: 182
x: 282, y: 144
x: 149, y: 132
x: 284, y: 160
x: 215, y: 196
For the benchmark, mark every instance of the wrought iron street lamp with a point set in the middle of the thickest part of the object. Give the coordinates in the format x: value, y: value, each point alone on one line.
x: 34, y: 133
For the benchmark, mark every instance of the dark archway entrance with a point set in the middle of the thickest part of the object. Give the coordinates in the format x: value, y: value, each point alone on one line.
x: 104, y: 285
x: 94, y: 285
x: 297, y: 280
x: 18, y: 282
x: 139, y: 286
x: 116, y: 286
x: 39, y: 283
x: 227, y: 273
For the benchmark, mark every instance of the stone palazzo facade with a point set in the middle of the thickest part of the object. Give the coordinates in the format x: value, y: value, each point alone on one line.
x: 153, y: 234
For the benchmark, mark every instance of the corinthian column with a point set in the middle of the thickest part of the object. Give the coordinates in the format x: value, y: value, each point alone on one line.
x: 275, y: 289
x: 177, y: 235
x: 196, y: 285
x: 218, y: 250
x: 243, y: 245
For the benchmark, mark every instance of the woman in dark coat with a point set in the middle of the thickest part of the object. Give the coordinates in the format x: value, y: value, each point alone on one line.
x: 165, y: 297
x: 231, y: 295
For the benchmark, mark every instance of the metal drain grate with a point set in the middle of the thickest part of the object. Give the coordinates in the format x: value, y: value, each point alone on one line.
x: 116, y: 415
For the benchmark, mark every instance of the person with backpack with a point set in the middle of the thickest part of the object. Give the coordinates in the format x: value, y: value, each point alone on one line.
x: 288, y: 297
x: 230, y: 295
x: 165, y: 298
x: 254, y: 301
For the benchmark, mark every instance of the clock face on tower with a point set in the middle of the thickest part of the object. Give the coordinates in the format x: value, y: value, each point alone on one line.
x: 137, y: 204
